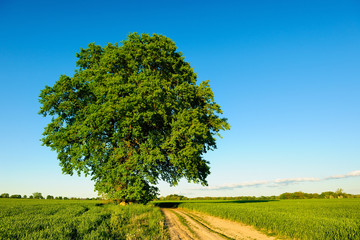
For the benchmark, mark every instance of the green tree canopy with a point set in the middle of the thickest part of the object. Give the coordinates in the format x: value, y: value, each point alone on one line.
x: 49, y: 197
x: 132, y: 114
x: 4, y: 195
x: 37, y: 195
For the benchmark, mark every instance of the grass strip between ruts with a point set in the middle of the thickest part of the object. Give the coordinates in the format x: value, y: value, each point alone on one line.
x: 196, y: 219
x: 184, y: 222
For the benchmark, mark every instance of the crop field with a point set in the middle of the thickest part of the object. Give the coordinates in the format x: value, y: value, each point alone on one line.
x: 295, y: 219
x: 78, y: 219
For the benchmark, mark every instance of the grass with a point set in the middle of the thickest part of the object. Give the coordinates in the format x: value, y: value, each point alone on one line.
x: 76, y: 219
x: 297, y: 219
x: 60, y: 219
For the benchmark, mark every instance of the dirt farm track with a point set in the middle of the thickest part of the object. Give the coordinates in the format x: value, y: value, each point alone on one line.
x: 184, y: 224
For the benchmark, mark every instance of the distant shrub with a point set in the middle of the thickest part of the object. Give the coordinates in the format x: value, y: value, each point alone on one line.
x: 175, y: 197
x: 4, y: 195
x: 15, y: 196
x: 38, y: 195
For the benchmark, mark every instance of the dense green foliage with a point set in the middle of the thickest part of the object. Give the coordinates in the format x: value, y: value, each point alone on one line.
x: 297, y: 219
x: 132, y: 114
x: 56, y: 219
x: 4, y: 195
x: 15, y: 196
x: 37, y: 195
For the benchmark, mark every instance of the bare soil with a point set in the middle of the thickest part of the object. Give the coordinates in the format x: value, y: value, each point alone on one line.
x: 185, y: 224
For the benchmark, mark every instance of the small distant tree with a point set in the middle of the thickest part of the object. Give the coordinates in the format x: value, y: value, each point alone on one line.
x: 328, y: 194
x: 66, y: 198
x: 314, y: 195
x: 49, y: 197
x: 272, y: 197
x: 24, y: 196
x: 15, y: 196
x: 297, y: 195
x: 4, y: 195
x: 31, y: 197
x: 340, y: 193
x: 38, y: 195
x: 285, y: 195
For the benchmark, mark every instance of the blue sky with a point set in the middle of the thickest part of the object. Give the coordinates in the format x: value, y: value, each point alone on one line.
x: 286, y: 74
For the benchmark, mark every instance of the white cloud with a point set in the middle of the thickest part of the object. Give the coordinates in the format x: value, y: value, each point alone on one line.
x: 350, y: 174
x: 286, y: 181
x: 354, y: 173
x: 278, y: 182
x: 235, y: 185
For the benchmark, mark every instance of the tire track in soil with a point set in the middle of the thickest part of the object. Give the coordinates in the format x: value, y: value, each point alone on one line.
x: 206, y: 227
x: 176, y: 229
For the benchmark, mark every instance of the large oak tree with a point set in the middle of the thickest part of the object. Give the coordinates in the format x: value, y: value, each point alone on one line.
x: 132, y: 114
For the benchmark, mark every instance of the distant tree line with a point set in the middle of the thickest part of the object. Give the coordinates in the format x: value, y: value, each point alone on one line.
x: 339, y: 193
x: 295, y: 195
x: 174, y: 197
x: 38, y: 195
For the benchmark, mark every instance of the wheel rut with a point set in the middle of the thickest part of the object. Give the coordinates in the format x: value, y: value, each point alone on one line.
x: 186, y: 224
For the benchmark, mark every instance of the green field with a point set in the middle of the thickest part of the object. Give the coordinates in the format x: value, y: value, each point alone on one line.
x: 67, y: 219
x: 296, y: 219
x: 80, y: 219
